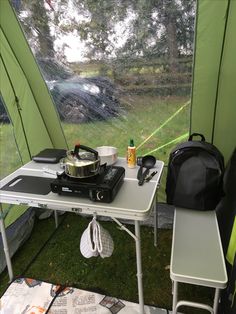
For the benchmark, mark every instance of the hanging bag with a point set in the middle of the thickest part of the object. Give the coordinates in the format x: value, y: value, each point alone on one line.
x: 195, y: 175
x: 96, y: 240
x: 88, y: 247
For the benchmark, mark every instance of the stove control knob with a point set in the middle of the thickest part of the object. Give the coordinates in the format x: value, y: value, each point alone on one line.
x: 99, y: 195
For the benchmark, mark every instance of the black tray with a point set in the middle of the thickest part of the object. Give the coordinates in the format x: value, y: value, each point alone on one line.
x: 29, y: 184
x: 50, y: 155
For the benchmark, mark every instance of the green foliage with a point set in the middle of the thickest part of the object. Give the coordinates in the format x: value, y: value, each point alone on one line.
x: 154, y: 28
x: 36, y: 26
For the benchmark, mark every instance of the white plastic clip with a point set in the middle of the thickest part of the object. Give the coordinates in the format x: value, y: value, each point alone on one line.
x: 94, y: 215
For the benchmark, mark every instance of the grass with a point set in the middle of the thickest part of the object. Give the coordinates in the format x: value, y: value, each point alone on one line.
x: 143, y: 116
x: 61, y: 262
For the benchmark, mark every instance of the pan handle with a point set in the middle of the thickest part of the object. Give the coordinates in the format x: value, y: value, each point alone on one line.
x: 86, y: 148
x: 140, y: 172
x: 143, y: 177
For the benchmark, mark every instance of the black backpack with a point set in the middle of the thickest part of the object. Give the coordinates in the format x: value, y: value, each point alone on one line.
x: 195, y: 175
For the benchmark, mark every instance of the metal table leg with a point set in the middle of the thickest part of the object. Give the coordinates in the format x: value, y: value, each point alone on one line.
x: 139, y: 267
x: 216, y: 300
x: 56, y: 218
x: 137, y: 239
x: 175, y: 296
x: 5, y: 244
x: 155, y: 220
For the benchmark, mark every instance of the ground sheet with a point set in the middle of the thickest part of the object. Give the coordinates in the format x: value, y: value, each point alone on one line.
x: 30, y: 296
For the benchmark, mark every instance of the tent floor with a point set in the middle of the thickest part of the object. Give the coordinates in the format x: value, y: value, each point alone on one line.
x: 25, y: 295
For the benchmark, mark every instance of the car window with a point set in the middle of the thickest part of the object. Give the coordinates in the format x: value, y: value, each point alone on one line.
x: 116, y: 69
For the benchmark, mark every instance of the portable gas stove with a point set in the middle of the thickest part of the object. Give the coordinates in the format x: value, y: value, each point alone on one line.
x: 102, y: 187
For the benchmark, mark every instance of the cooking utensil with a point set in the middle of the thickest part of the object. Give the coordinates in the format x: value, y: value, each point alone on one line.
x: 147, y: 179
x: 83, y: 164
x: 108, y: 154
x: 148, y: 162
x: 139, y: 161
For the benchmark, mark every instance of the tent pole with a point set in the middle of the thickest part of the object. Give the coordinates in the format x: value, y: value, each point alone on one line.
x: 5, y: 244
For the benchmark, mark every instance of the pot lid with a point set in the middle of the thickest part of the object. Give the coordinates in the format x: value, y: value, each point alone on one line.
x: 87, y: 157
x: 83, y: 159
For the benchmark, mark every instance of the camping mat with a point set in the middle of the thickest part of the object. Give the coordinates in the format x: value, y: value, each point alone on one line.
x: 26, y: 296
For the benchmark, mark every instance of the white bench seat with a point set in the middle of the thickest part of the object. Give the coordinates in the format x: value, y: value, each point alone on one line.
x: 197, y: 256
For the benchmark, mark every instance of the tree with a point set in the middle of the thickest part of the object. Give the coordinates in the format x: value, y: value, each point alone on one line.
x: 151, y: 29
x: 162, y: 28
x: 35, y: 19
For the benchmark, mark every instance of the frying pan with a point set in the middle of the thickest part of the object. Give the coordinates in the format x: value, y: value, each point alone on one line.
x: 147, y: 162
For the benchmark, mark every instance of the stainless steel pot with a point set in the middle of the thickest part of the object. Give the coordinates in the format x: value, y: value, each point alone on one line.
x: 83, y: 164
x: 108, y: 154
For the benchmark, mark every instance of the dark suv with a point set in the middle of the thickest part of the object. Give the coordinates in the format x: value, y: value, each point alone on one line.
x: 80, y: 99
x: 77, y: 99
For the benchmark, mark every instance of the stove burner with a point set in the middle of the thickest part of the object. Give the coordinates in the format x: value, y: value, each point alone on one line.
x: 102, y: 187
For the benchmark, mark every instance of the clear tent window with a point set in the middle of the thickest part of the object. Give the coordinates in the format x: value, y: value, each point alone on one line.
x: 115, y: 69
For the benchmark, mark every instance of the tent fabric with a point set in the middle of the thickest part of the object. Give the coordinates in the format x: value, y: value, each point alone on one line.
x: 213, y: 109
x: 16, y: 85
x: 232, y: 245
x: 11, y: 213
x: 212, y: 112
x: 226, y: 209
x: 36, y: 123
x: 29, y: 104
x: 17, y: 233
x: 225, y: 133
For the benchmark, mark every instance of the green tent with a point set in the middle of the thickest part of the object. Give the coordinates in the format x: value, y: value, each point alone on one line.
x: 31, y: 109
x: 213, y: 107
x: 35, y: 121
x: 29, y: 104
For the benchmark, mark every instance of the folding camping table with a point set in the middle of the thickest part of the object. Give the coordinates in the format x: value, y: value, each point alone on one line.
x: 133, y: 202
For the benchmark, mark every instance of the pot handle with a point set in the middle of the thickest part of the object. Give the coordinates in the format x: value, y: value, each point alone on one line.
x: 86, y: 148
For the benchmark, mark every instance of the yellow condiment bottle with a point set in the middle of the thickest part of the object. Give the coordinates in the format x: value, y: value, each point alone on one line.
x: 131, y: 154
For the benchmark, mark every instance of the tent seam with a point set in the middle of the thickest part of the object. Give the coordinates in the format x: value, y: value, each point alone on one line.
x: 13, y: 129
x: 194, y: 59
x: 219, y: 71
x: 42, y: 117
x: 17, y: 105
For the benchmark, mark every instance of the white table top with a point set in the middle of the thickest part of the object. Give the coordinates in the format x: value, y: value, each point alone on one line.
x: 197, y: 255
x: 131, y: 202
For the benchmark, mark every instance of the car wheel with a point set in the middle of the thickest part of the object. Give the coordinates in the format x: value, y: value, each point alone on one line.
x: 71, y: 110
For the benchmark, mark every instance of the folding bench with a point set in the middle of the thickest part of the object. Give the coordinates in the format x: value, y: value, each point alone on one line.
x: 197, y: 257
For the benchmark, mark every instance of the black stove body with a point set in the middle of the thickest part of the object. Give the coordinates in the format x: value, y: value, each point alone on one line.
x: 100, y: 188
